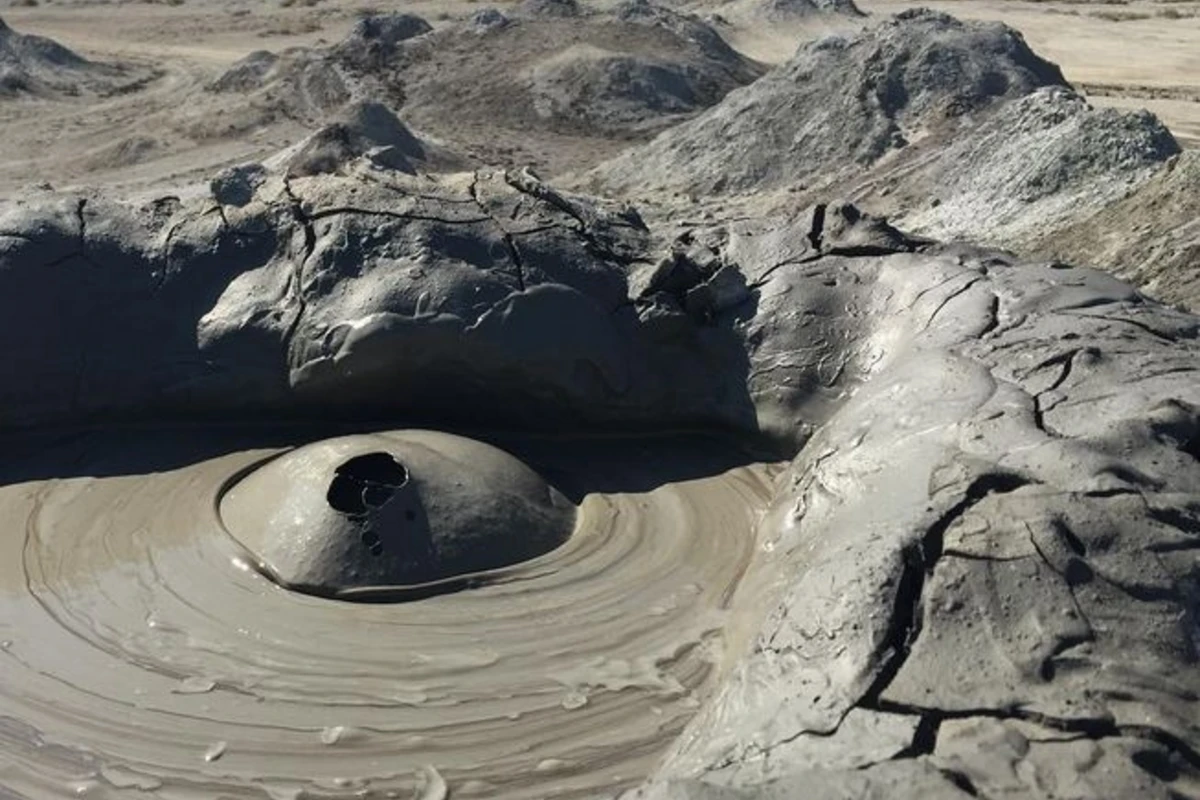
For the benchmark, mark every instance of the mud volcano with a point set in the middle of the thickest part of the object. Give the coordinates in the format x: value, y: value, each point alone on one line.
x: 374, y: 516
x: 582, y: 641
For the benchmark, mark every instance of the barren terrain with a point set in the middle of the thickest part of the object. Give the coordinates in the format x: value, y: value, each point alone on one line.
x: 1129, y: 55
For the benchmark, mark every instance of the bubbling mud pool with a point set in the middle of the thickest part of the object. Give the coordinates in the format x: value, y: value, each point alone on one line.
x: 143, y: 652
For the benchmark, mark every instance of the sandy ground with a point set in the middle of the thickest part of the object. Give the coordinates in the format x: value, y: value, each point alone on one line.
x: 1132, y: 54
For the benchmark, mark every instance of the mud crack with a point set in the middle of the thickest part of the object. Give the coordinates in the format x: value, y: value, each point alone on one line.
x: 295, y: 282
x: 506, y: 236
x: 919, y: 559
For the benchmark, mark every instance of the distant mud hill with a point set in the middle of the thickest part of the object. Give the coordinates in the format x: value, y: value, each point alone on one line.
x: 1151, y: 236
x: 366, y: 130
x: 955, y: 130
x: 840, y: 105
x: 801, y: 9
x: 35, y: 66
x: 550, y: 82
x: 617, y: 90
x: 560, y: 83
x: 309, y: 85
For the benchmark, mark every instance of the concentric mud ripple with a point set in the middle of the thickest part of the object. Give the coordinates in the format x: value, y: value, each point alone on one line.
x: 141, y: 652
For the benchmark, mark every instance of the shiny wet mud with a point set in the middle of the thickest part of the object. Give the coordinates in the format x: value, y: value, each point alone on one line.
x: 143, y: 651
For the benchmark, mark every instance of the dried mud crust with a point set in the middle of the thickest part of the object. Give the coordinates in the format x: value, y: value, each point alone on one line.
x: 978, y: 574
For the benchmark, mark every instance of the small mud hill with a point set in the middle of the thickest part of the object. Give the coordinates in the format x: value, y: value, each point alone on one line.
x: 954, y: 130
x: 299, y: 83
x: 840, y: 105
x: 366, y: 129
x: 801, y: 9
x: 40, y: 67
x: 615, y: 91
x: 307, y: 85
x: 555, y: 85
x: 1150, y: 237
x: 1032, y: 166
x: 550, y: 8
x: 566, y: 86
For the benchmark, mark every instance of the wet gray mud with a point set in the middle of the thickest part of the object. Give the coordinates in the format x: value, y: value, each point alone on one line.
x: 144, y: 650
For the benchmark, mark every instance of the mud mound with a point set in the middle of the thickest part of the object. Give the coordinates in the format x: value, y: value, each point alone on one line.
x: 976, y: 568
x: 685, y: 26
x: 298, y: 84
x: 801, y: 9
x: 373, y: 40
x: 618, y: 90
x: 840, y: 105
x: 371, y: 130
x: 562, y: 91
x: 488, y: 19
x: 1033, y: 166
x: 956, y: 130
x: 544, y: 89
x: 385, y: 30
x: 125, y: 153
x: 550, y: 8
x: 37, y: 66
x: 247, y: 73
x: 1150, y: 236
x: 614, y: 91
x: 320, y: 79
x: 308, y: 86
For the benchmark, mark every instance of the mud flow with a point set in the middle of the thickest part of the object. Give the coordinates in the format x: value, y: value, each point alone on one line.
x: 207, y: 612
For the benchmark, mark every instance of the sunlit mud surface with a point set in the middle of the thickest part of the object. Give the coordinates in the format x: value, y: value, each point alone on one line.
x: 141, y: 650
